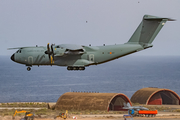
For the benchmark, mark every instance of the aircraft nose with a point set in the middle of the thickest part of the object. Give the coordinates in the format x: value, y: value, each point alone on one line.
x: 12, y: 57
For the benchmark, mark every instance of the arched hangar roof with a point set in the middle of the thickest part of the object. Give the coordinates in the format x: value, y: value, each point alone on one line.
x: 155, y: 96
x: 91, y: 101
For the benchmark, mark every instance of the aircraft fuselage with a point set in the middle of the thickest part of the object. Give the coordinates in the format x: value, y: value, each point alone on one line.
x: 91, y: 55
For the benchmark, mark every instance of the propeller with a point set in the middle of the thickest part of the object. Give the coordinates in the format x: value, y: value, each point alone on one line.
x: 50, y: 53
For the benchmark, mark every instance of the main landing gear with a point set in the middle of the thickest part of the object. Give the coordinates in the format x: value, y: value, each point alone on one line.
x: 75, y: 68
x: 28, y: 68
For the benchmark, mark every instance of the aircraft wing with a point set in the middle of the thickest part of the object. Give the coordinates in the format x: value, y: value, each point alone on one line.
x: 22, y: 47
x: 136, y: 108
x: 71, y: 46
x: 70, y: 49
x: 17, y: 48
x: 128, y: 106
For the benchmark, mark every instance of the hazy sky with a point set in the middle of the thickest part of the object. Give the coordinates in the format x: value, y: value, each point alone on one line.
x: 38, y: 22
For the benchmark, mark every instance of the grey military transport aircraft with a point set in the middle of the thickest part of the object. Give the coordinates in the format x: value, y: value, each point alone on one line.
x: 77, y: 57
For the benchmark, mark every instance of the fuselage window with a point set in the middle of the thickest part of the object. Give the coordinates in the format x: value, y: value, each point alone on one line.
x: 57, y: 47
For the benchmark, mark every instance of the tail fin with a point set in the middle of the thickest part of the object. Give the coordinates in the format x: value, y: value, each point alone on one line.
x: 148, y: 30
x: 127, y: 104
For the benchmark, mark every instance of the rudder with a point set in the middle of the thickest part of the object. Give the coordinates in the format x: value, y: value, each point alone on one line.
x: 148, y: 30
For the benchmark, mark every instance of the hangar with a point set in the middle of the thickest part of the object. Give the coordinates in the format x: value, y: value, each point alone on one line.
x: 155, y: 96
x: 91, y: 101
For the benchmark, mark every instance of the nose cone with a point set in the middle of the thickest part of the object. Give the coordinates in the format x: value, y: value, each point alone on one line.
x: 12, y: 57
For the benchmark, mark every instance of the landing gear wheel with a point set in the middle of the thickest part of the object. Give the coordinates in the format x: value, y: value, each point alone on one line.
x: 75, y: 68
x: 81, y: 68
x: 69, y: 68
x: 28, y: 68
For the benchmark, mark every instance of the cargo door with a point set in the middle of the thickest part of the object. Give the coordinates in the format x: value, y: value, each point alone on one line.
x: 91, y: 57
x: 30, y: 60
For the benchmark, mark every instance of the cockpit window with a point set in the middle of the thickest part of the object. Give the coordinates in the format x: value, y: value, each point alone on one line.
x: 59, y: 47
x: 19, y: 51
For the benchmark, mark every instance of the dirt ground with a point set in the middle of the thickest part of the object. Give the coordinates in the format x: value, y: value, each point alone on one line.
x: 98, y: 118
x: 162, y: 115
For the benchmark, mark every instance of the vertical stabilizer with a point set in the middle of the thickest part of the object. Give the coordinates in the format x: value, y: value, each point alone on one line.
x: 148, y: 30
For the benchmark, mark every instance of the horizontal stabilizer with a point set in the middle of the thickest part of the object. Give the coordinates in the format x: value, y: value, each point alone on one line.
x: 150, y: 17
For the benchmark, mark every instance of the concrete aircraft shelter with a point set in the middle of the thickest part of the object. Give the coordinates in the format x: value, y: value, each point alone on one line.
x: 155, y: 96
x: 91, y: 101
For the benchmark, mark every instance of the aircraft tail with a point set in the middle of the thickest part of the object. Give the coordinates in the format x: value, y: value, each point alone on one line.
x: 148, y: 30
x: 127, y: 104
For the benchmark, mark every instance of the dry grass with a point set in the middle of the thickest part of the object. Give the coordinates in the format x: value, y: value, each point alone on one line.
x: 159, y: 108
x: 39, y: 112
x: 26, y: 104
x: 177, y: 110
x: 93, y: 112
x: 49, y: 112
x: 45, y: 111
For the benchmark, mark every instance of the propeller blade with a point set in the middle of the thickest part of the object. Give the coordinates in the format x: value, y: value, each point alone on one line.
x: 49, y: 53
x: 48, y: 47
x: 52, y: 51
x: 49, y: 57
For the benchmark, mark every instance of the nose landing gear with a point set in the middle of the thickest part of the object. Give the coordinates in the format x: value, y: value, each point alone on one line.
x: 28, y: 68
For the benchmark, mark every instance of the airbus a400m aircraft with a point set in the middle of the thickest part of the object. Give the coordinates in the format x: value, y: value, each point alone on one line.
x: 77, y: 57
